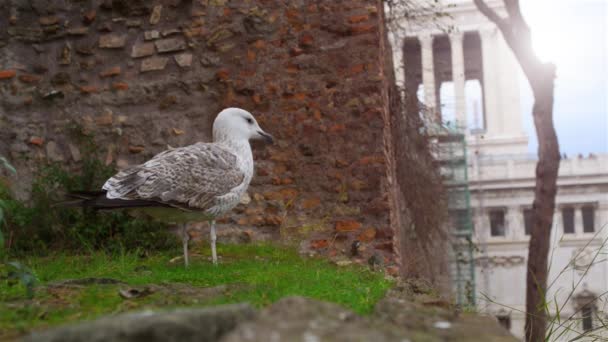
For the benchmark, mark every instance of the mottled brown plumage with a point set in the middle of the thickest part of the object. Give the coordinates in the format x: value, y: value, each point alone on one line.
x: 198, y: 177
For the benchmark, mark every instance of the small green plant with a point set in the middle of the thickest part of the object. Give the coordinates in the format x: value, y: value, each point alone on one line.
x: 40, y: 226
x: 16, y: 271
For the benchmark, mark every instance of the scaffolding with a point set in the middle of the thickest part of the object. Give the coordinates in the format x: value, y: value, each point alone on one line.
x: 451, y: 155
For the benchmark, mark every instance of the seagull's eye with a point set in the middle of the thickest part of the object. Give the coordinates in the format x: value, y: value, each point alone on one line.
x: 249, y: 120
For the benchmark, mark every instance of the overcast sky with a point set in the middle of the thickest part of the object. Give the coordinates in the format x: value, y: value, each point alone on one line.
x: 573, y: 34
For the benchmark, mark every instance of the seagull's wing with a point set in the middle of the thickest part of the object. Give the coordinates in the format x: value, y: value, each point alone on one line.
x: 189, y: 177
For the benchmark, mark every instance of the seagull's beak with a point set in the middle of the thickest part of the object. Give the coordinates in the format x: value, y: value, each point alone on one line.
x: 266, y: 137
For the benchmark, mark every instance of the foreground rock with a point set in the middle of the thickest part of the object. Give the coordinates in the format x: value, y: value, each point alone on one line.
x: 410, y: 312
x: 395, y: 319
x: 207, y: 324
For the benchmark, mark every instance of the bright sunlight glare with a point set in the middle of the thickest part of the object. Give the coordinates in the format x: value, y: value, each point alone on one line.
x: 546, y: 21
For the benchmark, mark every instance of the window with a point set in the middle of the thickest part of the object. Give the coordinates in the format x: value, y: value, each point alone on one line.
x: 474, y: 110
x: 588, y: 218
x: 528, y: 220
x: 497, y: 222
x: 505, y: 321
x: 568, y: 220
x: 460, y: 220
x: 587, y: 314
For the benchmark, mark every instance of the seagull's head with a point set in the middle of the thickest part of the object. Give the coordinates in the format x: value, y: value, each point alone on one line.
x: 238, y: 124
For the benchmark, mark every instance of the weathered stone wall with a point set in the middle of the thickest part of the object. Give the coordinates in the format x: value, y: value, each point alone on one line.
x: 144, y: 75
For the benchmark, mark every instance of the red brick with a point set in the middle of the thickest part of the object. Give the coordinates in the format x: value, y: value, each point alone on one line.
x: 38, y: 141
x: 136, y: 149
x: 371, y: 160
x: 347, y: 226
x: 317, y: 114
x: 259, y: 44
x: 392, y: 270
x: 120, y: 86
x: 257, y: 99
x: 222, y: 74
x: 5, y: 74
x: 273, y: 220
x: 358, y: 18
x: 251, y: 55
x: 318, y: 244
x: 311, y: 203
x: 356, y: 69
x: 289, y: 193
x: 386, y: 246
x: 337, y: 128
x: 291, y: 13
x: 362, y: 29
x: 306, y: 40
x: 29, y: 78
x: 89, y: 17
x: 367, y: 235
x: 89, y: 89
x: 113, y: 71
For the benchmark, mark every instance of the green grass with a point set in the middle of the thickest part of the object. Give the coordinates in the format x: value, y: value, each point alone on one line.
x: 262, y: 274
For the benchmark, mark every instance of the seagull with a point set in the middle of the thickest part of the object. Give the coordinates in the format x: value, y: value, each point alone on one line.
x: 199, y: 182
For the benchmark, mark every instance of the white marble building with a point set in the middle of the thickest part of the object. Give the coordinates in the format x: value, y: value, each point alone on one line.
x: 463, y: 48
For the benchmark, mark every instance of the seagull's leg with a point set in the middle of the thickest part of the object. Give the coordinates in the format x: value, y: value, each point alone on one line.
x: 213, y: 239
x: 185, y: 238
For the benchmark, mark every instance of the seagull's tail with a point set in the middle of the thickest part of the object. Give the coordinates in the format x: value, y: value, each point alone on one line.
x: 97, y: 200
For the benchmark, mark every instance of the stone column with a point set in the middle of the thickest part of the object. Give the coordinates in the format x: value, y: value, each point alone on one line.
x: 602, y: 219
x: 514, y: 222
x: 490, y: 64
x: 428, y: 74
x: 578, y: 221
x: 458, y: 78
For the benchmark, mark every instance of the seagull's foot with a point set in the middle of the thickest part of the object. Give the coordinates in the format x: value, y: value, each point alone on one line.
x: 185, y: 239
x: 213, y: 240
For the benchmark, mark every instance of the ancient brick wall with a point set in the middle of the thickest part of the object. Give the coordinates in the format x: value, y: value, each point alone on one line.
x: 144, y: 75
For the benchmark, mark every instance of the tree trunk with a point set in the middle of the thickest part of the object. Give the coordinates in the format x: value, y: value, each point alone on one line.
x: 542, y: 209
x: 541, y: 77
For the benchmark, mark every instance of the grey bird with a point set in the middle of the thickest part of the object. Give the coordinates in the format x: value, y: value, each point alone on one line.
x: 199, y: 182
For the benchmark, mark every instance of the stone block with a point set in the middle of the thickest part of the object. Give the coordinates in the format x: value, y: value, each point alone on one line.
x: 53, y: 152
x: 151, y: 35
x: 112, y: 41
x: 153, y: 63
x: 47, y: 21
x: 78, y: 31
x: 155, y: 15
x: 184, y: 60
x: 142, y: 50
x: 170, y: 44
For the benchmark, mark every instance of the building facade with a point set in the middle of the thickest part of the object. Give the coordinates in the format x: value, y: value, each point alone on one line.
x: 464, y: 48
